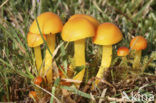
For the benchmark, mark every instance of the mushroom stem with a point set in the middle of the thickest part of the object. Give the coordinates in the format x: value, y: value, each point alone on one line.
x: 48, y: 57
x: 38, y: 57
x: 79, y: 52
x: 79, y: 57
x: 137, y: 59
x: 124, y: 61
x: 106, y: 61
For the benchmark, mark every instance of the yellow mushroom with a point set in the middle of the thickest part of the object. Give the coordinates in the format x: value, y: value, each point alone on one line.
x: 107, y: 34
x: 49, y: 24
x: 77, y: 30
x: 138, y: 43
x: 89, y: 18
x: 35, y: 40
x: 123, y: 52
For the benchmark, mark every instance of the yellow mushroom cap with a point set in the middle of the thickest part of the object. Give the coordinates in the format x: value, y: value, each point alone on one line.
x: 34, y: 40
x: 48, y: 22
x: 138, y: 43
x: 90, y: 18
x: 76, y: 29
x: 107, y: 34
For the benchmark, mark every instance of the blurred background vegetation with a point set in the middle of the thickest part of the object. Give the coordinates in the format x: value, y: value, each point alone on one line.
x: 133, y: 17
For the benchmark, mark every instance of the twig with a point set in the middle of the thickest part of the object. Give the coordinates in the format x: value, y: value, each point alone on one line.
x: 56, y: 50
x: 48, y: 93
x: 142, y: 87
x: 92, y: 97
x: 118, y: 100
x: 103, y: 95
x: 4, y: 3
x: 111, y: 85
x: 96, y: 5
x: 86, y: 88
x: 71, y: 80
x: 54, y: 53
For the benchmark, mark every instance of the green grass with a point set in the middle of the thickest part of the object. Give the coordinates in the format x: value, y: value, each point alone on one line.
x: 17, y: 62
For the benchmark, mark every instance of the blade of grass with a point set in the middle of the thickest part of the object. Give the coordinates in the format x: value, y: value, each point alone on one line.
x: 142, y: 10
x: 76, y: 91
x: 53, y: 92
x: 7, y: 84
x: 4, y: 62
x: 56, y: 83
x: 15, y: 39
x: 43, y: 37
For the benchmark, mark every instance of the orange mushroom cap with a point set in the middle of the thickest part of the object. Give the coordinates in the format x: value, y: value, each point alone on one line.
x: 32, y: 94
x: 38, y: 80
x: 107, y: 34
x: 48, y: 23
x: 34, y: 40
x: 138, y: 43
x: 123, y: 51
x: 76, y: 29
x: 90, y: 18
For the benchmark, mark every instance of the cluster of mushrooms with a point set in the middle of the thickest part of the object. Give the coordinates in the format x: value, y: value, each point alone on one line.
x: 77, y: 29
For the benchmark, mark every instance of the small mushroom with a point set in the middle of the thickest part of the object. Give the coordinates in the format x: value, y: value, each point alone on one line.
x: 77, y: 30
x: 138, y: 43
x: 35, y: 40
x: 32, y: 94
x: 49, y: 24
x: 38, y: 80
x: 107, y: 34
x: 123, y: 52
